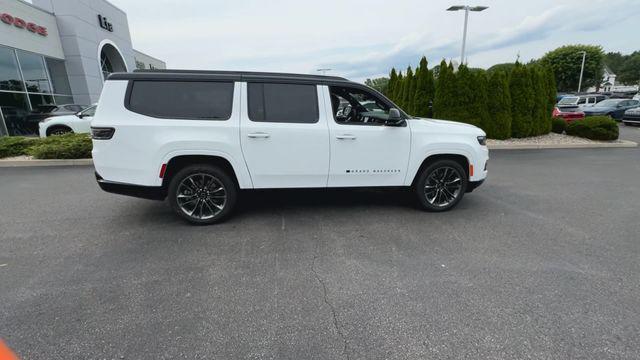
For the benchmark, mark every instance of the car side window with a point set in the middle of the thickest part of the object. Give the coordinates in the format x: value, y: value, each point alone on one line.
x: 283, y: 103
x: 582, y: 101
x: 354, y: 106
x: 189, y: 100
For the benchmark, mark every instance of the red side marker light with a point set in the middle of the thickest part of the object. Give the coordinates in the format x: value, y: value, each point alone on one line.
x: 163, y: 169
x: 470, y: 170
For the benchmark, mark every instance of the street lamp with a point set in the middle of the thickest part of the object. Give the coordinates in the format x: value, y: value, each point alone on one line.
x: 584, y: 57
x: 466, y: 9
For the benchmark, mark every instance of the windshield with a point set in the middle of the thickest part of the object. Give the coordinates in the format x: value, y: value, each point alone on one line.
x: 43, y: 109
x: 607, y: 103
x: 90, y: 111
x: 568, y: 100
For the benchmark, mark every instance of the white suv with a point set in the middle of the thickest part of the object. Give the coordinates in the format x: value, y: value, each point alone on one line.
x: 198, y: 137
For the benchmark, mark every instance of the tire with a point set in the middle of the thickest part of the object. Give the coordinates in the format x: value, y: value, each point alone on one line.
x: 432, y: 190
x: 58, y: 130
x: 202, y: 194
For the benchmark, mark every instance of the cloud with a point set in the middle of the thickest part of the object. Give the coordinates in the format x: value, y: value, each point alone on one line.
x: 359, y: 38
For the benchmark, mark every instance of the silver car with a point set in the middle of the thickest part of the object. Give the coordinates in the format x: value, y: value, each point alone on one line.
x: 631, y: 116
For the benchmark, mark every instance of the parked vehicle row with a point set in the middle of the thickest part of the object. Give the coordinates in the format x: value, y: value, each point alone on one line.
x: 209, y: 134
x: 615, y: 108
x: 572, y: 108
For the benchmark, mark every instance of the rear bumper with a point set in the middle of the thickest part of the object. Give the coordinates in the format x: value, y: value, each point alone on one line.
x: 139, y: 191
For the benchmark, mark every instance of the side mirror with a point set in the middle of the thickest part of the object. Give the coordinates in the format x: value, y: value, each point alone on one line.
x: 79, y: 114
x: 395, y: 119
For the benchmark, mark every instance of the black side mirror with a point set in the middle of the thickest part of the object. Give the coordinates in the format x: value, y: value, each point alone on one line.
x: 79, y: 114
x: 395, y: 118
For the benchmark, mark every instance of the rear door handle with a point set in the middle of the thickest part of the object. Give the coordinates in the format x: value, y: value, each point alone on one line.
x: 346, y: 137
x: 259, y: 135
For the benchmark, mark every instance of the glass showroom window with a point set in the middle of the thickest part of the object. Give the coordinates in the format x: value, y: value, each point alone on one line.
x: 29, y: 84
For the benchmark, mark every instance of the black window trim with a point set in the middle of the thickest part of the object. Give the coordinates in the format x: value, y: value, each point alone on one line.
x: 127, y: 98
x: 315, y: 90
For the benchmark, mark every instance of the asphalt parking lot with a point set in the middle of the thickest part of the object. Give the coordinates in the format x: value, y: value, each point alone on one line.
x: 541, y: 262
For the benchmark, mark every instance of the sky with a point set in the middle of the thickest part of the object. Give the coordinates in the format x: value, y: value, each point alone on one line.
x: 364, y: 39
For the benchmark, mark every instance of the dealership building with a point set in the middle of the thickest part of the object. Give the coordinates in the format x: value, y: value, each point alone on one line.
x: 59, y: 52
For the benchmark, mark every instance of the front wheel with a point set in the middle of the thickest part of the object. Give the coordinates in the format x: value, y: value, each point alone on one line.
x: 202, y: 194
x: 441, y: 185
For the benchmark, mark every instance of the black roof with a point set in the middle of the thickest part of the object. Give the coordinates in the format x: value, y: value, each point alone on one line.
x: 176, y: 74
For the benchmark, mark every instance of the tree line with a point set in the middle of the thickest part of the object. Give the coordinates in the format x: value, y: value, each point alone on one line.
x: 516, y: 102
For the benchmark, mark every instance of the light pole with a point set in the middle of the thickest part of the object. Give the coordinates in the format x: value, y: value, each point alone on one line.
x: 584, y: 57
x: 466, y: 9
x: 324, y: 70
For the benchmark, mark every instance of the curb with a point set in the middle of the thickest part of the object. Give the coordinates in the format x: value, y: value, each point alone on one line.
x: 25, y: 163
x: 620, y: 144
x: 87, y: 162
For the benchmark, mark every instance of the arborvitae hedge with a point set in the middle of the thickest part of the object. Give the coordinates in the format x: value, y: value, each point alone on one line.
x: 514, y: 102
x: 393, y: 80
x: 424, y: 90
x: 541, y: 118
x: 409, y: 90
x: 444, y: 100
x: 498, y: 125
x: 521, y: 102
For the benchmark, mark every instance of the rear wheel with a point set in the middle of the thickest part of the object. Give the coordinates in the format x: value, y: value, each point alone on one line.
x: 202, y: 194
x: 441, y: 185
x: 58, y: 130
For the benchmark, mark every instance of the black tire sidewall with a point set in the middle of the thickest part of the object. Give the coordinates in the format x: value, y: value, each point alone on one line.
x: 229, y: 186
x: 420, y: 183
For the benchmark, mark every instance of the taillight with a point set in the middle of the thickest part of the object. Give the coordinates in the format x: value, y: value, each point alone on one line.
x: 102, y: 133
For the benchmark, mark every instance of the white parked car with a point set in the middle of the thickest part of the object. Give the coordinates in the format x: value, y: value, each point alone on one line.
x: 198, y: 137
x: 76, y: 123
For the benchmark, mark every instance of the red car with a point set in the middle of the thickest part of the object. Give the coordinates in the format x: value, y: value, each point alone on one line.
x: 568, y: 115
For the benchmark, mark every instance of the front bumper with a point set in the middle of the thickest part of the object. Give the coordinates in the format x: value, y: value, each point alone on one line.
x: 472, y: 185
x: 139, y: 191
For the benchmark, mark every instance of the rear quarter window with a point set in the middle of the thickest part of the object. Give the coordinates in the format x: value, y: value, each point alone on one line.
x: 195, y: 100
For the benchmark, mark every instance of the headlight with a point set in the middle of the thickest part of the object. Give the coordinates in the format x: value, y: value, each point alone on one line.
x: 482, y: 140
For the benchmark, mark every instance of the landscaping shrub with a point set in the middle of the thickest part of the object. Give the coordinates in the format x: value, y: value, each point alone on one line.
x: 68, y: 146
x: 558, y: 125
x: 594, y: 128
x: 14, y: 146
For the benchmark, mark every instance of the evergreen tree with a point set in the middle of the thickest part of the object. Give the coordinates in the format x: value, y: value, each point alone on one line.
x: 539, y: 113
x: 425, y: 90
x: 399, y: 93
x: 411, y: 94
x: 445, y: 92
x: 521, y: 101
x: 551, y: 94
x: 498, y: 125
x: 406, y: 93
x: 481, y: 97
x: 464, y: 103
x: 393, y: 79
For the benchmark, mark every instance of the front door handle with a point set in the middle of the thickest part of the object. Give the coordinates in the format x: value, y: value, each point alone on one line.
x: 346, y: 137
x: 259, y: 135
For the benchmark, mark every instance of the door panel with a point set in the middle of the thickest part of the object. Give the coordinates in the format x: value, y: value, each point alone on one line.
x: 283, y: 155
x: 366, y: 155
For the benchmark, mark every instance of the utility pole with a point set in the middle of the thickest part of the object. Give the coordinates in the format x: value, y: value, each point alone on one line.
x: 324, y: 70
x: 584, y: 57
